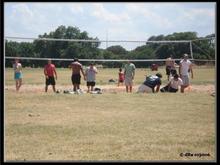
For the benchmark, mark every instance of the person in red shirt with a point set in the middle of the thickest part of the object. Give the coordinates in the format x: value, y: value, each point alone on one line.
x: 120, y: 77
x: 49, y: 72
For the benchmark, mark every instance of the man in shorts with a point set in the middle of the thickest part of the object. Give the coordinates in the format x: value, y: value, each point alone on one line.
x: 129, y: 72
x: 185, y: 67
x: 50, y: 74
x: 17, y: 74
x: 90, y: 73
x: 170, y: 67
x: 76, y: 77
x: 150, y: 83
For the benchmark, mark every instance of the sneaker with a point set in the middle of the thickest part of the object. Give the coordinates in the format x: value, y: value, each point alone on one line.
x: 78, y: 92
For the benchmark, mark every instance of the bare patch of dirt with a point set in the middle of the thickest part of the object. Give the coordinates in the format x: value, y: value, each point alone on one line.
x: 105, y: 88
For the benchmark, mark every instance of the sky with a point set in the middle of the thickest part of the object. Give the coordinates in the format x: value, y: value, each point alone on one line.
x: 110, y: 21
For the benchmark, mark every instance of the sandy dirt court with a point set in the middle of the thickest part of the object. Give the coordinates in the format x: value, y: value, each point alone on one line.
x: 105, y: 88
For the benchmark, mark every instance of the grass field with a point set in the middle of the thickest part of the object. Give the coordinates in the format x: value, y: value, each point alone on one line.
x: 109, y: 126
x: 35, y: 76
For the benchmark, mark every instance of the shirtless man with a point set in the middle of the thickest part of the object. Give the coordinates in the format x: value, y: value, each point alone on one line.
x: 170, y: 67
x: 76, y: 68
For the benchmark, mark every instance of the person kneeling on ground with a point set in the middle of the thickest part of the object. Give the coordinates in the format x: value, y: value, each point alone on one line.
x: 173, y: 84
x: 150, y: 83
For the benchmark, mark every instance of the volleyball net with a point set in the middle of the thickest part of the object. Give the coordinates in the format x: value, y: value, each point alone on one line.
x: 35, y: 52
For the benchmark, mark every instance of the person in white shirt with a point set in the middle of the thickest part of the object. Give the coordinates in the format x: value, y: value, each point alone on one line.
x: 184, y: 69
x: 90, y: 74
x: 173, y: 85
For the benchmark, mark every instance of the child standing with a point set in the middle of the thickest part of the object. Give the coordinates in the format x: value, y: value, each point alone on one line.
x: 17, y: 74
x: 120, y: 77
x: 90, y: 73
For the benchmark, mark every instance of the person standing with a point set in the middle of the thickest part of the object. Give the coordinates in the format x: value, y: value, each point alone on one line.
x: 129, y: 72
x: 17, y: 74
x: 50, y: 74
x: 120, y: 77
x: 170, y: 67
x: 184, y: 69
x: 90, y: 73
x: 76, y: 77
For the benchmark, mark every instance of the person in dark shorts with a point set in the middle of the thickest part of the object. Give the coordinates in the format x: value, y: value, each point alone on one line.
x: 76, y: 77
x: 173, y: 85
x: 49, y: 72
x: 90, y: 73
x: 170, y: 67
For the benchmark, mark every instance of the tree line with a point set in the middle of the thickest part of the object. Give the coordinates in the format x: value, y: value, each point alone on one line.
x: 202, y: 49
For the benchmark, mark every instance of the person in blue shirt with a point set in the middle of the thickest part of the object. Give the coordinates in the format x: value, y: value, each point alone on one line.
x: 151, y: 82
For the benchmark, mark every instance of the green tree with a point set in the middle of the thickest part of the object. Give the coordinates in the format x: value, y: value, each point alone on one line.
x: 66, y: 49
x: 117, y: 50
x: 202, y: 49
